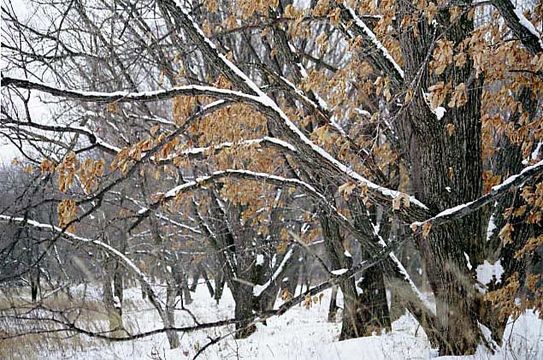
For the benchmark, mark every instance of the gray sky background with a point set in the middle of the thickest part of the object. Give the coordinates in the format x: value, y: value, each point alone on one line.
x: 37, y: 108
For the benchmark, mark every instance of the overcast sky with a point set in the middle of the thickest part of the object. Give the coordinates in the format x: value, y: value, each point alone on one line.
x: 37, y: 108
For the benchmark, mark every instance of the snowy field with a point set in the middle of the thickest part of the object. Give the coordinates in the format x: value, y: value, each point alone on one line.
x: 299, y: 334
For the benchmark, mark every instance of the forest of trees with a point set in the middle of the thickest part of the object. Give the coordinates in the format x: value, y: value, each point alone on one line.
x: 265, y: 146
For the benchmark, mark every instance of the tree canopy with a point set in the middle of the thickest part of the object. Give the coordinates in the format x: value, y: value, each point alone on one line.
x: 239, y: 135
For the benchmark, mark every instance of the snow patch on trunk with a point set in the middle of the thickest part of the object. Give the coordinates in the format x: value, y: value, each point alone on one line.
x: 487, y: 271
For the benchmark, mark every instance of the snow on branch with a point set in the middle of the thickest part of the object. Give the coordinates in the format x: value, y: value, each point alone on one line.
x: 261, y: 100
x: 386, y: 251
x: 461, y: 210
x: 398, y: 268
x: 323, y: 155
x: 521, y: 27
x: 274, y: 179
x: 203, y: 181
x: 401, y: 271
x: 209, y: 49
x: 125, y: 96
x: 93, y: 139
x: 259, y: 289
x: 270, y: 108
x: 378, y: 52
x: 162, y: 216
x: 319, y: 105
x: 129, y: 264
x: 264, y: 141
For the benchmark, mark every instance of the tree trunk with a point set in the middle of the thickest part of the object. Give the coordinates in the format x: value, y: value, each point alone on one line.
x: 332, y: 309
x: 172, y: 292
x: 118, y: 284
x: 243, y: 311
x: 195, y: 278
x: 362, y: 315
x: 446, y: 160
x: 113, y: 307
x: 35, y: 282
x: 181, y: 284
x: 207, y: 282
x: 293, y: 276
x: 219, y: 286
x: 375, y: 312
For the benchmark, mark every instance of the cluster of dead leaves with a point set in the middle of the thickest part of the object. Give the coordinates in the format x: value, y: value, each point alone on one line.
x: 505, y: 298
x: 66, y: 171
x: 89, y: 171
x: 67, y: 211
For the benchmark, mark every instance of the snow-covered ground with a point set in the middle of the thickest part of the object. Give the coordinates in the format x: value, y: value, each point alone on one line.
x: 299, y: 334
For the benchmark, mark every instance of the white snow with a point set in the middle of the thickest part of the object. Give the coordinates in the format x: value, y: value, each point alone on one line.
x: 491, y: 228
x: 528, y: 25
x: 321, y: 101
x: 99, y: 141
x: 487, y: 271
x: 258, y: 289
x: 176, y: 223
x: 415, y: 289
x: 338, y: 127
x: 148, y: 95
x: 300, y: 334
x: 116, y: 301
x: 280, y: 143
x: 468, y: 263
x: 537, y: 151
x: 440, y: 112
x: 339, y: 272
x: 228, y: 144
x: 374, y: 40
x: 260, y: 260
x: 363, y: 112
x: 455, y: 209
x: 512, y: 178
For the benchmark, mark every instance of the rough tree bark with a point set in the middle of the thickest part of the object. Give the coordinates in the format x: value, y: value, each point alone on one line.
x: 444, y: 161
x: 362, y: 314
